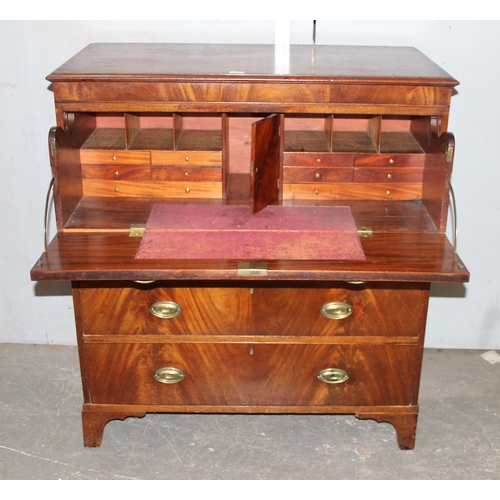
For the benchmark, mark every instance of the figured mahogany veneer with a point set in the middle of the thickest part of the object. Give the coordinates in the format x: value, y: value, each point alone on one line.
x: 145, y: 124
x: 114, y: 308
x: 247, y: 374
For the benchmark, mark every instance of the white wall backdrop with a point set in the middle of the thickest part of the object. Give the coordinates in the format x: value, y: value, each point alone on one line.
x: 459, y: 316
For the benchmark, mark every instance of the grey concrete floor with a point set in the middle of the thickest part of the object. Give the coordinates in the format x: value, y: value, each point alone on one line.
x: 458, y: 435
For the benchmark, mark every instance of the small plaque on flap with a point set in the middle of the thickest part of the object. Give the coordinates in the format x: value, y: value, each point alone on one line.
x: 252, y: 268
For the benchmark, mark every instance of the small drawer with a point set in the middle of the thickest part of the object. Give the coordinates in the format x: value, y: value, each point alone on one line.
x: 319, y: 174
x: 114, y: 157
x: 352, y: 191
x: 388, y: 160
x: 116, y: 172
x: 318, y: 160
x: 151, y: 189
x: 187, y: 173
x: 250, y: 374
x: 389, y: 174
x: 186, y: 158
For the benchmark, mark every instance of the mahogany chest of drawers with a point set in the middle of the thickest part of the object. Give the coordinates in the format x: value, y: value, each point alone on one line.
x: 142, y: 125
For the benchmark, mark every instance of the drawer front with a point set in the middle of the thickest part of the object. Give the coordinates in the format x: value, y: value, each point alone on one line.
x: 389, y: 174
x: 250, y: 374
x: 309, y: 174
x: 318, y: 160
x: 114, y: 157
x: 126, y: 310
x: 382, y: 310
x: 390, y: 160
x: 186, y: 158
x: 116, y: 172
x: 187, y: 173
x: 352, y: 191
x: 152, y: 189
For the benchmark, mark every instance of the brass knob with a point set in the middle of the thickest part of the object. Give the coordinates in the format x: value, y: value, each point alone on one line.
x: 389, y: 176
x: 188, y: 190
x: 169, y: 375
x: 317, y: 175
x: 333, y: 376
x: 165, y: 309
x: 318, y: 160
x: 113, y: 158
x: 186, y: 173
x: 317, y: 191
x: 391, y: 161
x: 117, y: 189
x: 187, y: 158
x: 336, y: 310
x: 117, y: 173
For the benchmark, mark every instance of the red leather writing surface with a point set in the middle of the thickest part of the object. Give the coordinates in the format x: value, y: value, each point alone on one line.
x: 231, y: 232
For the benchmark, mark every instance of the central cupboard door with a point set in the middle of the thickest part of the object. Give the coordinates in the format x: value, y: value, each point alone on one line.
x: 265, y: 162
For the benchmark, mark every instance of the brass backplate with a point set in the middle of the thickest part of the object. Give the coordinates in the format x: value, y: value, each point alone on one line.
x: 333, y: 376
x: 169, y: 375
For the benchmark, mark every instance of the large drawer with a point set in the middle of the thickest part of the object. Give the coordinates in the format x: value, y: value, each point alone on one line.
x: 250, y: 374
x: 378, y: 309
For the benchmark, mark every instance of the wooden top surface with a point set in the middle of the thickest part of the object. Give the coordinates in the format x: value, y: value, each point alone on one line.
x: 116, y: 61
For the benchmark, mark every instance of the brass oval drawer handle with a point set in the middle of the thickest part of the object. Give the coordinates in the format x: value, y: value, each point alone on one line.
x: 165, y: 309
x: 169, y: 375
x: 336, y: 310
x: 333, y: 376
x: 144, y: 282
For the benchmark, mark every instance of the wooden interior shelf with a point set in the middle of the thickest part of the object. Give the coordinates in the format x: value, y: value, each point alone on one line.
x: 351, y: 134
x: 106, y: 139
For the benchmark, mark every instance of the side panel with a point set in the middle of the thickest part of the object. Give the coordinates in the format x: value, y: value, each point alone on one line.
x: 64, y: 151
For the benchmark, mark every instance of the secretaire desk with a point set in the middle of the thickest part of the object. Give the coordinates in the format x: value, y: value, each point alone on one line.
x: 250, y: 234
